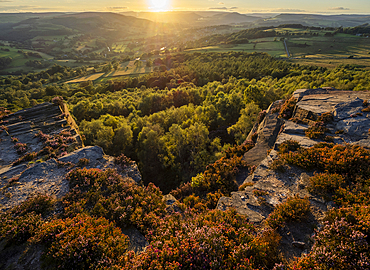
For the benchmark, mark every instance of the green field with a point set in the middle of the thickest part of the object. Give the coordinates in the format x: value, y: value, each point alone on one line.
x: 267, y: 45
x: 304, y: 48
x: 19, y: 60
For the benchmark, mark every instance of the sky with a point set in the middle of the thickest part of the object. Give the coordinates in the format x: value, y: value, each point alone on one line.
x: 241, y: 6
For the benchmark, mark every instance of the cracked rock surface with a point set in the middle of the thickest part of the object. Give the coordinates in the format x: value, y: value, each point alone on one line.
x: 350, y: 125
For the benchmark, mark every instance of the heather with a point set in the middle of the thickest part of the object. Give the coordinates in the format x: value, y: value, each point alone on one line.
x: 342, y: 176
x: 212, y: 240
x: 86, y: 233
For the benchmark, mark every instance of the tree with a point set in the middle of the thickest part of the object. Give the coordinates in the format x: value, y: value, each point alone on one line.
x: 245, y: 123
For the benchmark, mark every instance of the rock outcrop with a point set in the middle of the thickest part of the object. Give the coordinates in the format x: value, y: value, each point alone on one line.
x: 36, y: 129
x: 350, y: 125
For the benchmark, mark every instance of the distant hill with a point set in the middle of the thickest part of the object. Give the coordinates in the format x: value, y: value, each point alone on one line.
x: 176, y: 17
x: 99, y: 23
x: 234, y: 17
x: 202, y: 18
x: 315, y: 20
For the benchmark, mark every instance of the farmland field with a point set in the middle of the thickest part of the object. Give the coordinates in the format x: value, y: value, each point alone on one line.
x: 129, y: 68
x: 267, y: 45
x: 91, y: 77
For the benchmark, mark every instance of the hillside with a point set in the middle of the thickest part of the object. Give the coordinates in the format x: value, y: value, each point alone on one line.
x: 285, y: 194
x: 99, y: 23
x: 316, y: 20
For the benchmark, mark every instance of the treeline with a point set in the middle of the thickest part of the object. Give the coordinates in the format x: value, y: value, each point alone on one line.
x: 361, y: 29
x: 5, y: 61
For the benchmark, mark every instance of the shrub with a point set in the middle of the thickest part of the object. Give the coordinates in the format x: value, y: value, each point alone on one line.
x: 325, y: 184
x: 289, y: 145
x: 20, y: 223
x: 278, y: 165
x: 326, y: 117
x: 221, y: 174
x: 349, y: 161
x: 57, y: 101
x: 316, y: 131
x: 27, y: 157
x: 293, y: 209
x: 82, y: 242
x: 287, y: 109
x: 123, y: 161
x: 211, y: 240
x: 83, y: 162
x: 107, y: 194
x: 339, y: 245
x: 20, y: 147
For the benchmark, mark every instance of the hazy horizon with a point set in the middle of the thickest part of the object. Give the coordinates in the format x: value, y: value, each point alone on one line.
x: 264, y: 6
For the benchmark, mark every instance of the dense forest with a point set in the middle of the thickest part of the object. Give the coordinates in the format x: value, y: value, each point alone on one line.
x: 186, y: 126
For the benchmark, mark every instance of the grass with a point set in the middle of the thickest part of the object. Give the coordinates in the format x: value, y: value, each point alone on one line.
x: 18, y: 59
x: 321, y: 50
x: 341, y: 45
x: 274, y: 48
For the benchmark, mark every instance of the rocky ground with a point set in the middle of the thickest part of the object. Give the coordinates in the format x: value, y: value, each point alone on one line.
x: 350, y: 125
x: 45, y: 175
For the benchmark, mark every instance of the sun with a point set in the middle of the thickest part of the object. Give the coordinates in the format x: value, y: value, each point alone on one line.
x: 159, y: 5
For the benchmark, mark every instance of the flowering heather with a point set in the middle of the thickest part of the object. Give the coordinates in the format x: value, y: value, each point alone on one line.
x: 56, y: 145
x: 339, y: 245
x: 21, y: 148
x: 57, y: 100
x: 20, y: 223
x: 107, y: 194
x: 221, y: 174
x: 293, y: 209
x: 82, y: 242
x: 3, y: 111
x: 287, y: 109
x: 350, y: 161
x: 123, y: 161
x: 212, y: 240
x: 316, y: 131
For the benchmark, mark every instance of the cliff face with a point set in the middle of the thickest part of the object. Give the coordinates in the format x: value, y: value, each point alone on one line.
x: 350, y: 124
x: 38, y: 147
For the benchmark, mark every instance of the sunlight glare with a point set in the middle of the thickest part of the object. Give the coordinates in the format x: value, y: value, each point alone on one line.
x: 159, y: 5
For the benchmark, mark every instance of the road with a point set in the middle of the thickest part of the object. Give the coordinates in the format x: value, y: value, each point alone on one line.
x: 286, y: 49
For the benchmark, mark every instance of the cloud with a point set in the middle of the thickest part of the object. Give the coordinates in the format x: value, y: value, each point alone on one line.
x: 116, y: 8
x: 219, y: 8
x: 339, y: 8
x: 221, y: 3
x: 232, y: 8
x: 5, y: 1
x: 17, y: 8
x: 287, y: 10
